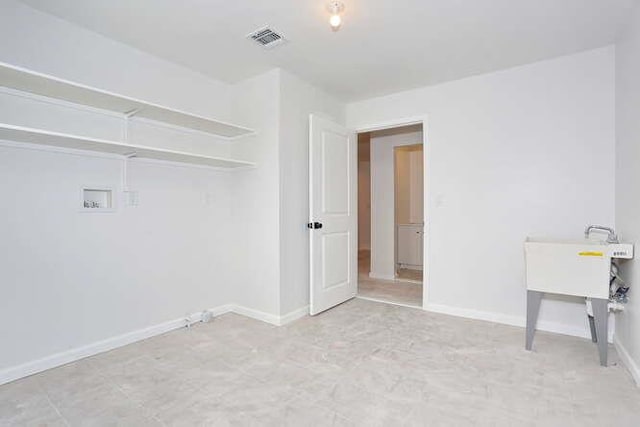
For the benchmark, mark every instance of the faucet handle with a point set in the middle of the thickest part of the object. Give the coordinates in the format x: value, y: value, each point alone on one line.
x: 611, y: 237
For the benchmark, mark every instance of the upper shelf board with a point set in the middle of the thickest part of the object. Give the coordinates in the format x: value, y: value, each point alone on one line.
x: 56, y: 139
x: 42, y: 84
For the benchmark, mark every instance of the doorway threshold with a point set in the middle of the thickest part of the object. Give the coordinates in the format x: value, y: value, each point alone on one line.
x: 385, y: 301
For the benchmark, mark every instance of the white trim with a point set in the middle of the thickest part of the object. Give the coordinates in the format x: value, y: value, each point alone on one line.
x: 256, y: 314
x: 389, y: 277
x: 404, y: 280
x: 218, y: 311
x: 426, y: 150
x: 407, y: 121
x: 62, y: 358
x: 627, y: 360
x: 294, y: 315
x: 58, y: 359
x: 426, y: 211
x: 476, y: 314
x: 414, y: 267
x: 388, y: 302
x: 271, y: 318
x: 507, y: 319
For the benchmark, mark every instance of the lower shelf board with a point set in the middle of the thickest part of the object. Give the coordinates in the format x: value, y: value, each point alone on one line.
x: 56, y: 139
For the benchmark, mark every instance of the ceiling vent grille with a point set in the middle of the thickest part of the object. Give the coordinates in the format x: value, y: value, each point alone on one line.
x: 266, y: 37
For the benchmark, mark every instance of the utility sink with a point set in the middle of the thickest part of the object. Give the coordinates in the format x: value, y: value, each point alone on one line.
x: 572, y: 267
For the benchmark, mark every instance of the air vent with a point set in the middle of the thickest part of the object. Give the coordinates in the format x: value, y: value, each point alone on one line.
x: 266, y: 37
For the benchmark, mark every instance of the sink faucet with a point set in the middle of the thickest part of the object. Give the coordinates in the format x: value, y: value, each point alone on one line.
x: 611, y: 238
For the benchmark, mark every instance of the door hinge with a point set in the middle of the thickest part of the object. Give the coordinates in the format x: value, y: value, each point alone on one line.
x: 314, y: 225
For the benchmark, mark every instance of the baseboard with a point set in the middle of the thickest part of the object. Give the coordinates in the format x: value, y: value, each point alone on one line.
x: 24, y: 370
x: 223, y: 309
x: 381, y: 276
x: 294, y: 315
x: 413, y: 267
x: 475, y: 314
x: 505, y: 319
x: 627, y: 360
x: 62, y: 358
x: 256, y: 314
x: 403, y: 280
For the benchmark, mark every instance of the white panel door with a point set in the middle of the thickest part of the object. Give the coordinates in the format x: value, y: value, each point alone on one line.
x: 333, y: 221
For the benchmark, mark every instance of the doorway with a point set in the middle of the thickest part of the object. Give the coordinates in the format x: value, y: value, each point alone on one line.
x: 390, y: 215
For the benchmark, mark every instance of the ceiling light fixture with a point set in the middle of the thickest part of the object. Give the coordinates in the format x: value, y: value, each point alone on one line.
x: 335, y: 9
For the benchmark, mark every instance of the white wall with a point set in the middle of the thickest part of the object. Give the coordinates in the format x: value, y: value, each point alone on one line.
x: 525, y: 151
x: 382, y: 200
x: 298, y: 99
x: 627, y: 179
x: 42, y: 42
x: 71, y: 279
x: 506, y: 149
x: 271, y: 202
x: 231, y: 219
x: 256, y: 207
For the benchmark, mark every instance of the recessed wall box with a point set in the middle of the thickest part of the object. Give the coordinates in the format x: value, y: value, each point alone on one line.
x: 97, y: 199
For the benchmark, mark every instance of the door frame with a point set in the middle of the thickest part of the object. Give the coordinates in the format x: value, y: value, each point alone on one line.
x: 426, y: 161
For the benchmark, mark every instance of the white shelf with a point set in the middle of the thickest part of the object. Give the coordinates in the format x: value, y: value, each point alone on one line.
x: 53, y: 87
x: 55, y: 139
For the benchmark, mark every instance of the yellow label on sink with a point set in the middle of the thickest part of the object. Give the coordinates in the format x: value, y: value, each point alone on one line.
x: 591, y: 253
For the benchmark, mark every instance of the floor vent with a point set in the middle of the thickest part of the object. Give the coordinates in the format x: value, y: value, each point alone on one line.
x: 266, y: 37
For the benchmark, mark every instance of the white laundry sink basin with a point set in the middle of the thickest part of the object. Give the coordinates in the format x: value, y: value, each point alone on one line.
x: 572, y: 267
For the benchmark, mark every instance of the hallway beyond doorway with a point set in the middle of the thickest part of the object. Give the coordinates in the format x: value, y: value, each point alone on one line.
x: 390, y: 291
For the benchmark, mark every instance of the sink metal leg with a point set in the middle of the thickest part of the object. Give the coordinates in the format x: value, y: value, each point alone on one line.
x: 592, y: 328
x: 601, y: 319
x: 533, y: 307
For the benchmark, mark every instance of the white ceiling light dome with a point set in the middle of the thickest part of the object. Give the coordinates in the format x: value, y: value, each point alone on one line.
x: 335, y: 8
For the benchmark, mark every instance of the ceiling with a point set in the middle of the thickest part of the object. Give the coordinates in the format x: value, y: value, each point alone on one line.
x: 383, y: 47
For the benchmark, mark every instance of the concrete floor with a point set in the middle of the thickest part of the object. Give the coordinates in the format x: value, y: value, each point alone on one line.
x: 408, y: 274
x: 393, y: 291
x: 361, y: 363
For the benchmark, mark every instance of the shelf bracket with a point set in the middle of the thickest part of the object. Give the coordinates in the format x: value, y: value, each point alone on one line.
x: 127, y: 116
x: 131, y: 113
x: 130, y: 197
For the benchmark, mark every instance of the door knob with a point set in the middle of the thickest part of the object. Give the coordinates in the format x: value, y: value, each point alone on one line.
x: 314, y: 225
